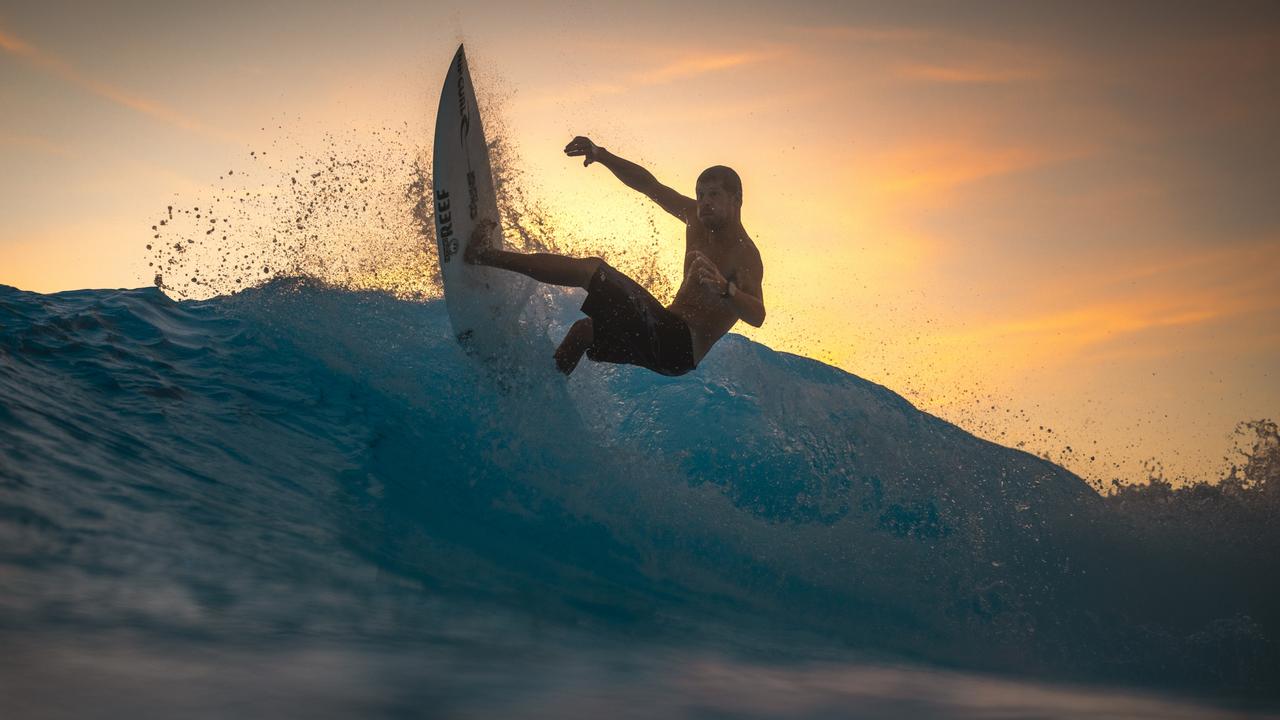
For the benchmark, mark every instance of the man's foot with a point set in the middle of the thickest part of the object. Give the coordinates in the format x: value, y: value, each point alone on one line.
x: 575, y: 343
x: 480, y: 246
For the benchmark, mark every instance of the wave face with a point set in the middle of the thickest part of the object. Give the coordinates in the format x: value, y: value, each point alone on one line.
x: 301, y: 462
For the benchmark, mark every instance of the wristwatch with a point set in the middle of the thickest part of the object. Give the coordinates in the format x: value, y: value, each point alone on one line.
x: 729, y: 289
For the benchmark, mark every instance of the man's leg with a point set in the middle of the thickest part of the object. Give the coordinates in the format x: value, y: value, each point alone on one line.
x: 547, y: 268
x: 543, y: 267
x: 575, y: 343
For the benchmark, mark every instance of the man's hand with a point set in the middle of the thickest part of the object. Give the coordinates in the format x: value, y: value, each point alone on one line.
x: 706, y: 273
x: 581, y: 146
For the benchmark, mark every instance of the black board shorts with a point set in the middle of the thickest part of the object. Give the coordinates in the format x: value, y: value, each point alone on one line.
x: 630, y: 326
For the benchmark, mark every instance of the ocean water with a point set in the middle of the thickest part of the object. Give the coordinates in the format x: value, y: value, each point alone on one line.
x: 306, y: 501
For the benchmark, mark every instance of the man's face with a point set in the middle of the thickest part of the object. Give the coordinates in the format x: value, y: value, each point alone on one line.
x: 716, y: 207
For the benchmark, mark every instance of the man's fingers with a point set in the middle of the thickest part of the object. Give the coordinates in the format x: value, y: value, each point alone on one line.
x: 578, y: 146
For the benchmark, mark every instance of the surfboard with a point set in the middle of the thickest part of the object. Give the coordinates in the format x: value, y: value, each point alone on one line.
x: 484, y: 304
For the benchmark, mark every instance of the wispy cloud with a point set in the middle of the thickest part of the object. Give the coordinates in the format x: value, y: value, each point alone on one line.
x: 38, y: 144
x: 931, y: 169
x: 1086, y: 325
x: 1193, y: 290
x: 925, y: 55
x: 861, y: 33
x: 687, y: 65
x: 698, y: 64
x: 56, y: 66
x: 966, y: 75
x: 1220, y: 265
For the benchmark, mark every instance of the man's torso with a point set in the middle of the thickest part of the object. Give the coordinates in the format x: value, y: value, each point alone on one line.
x: 708, y: 315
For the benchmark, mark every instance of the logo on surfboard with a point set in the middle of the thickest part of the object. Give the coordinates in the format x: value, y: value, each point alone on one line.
x: 464, y: 126
x: 444, y: 219
x: 473, y: 207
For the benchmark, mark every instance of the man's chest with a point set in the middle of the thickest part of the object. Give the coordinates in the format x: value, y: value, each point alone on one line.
x: 726, y: 260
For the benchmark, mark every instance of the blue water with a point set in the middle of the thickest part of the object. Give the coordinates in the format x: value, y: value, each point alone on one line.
x: 302, y: 501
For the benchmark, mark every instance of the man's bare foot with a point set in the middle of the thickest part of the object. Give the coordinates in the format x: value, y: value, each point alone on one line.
x: 575, y: 343
x: 480, y: 246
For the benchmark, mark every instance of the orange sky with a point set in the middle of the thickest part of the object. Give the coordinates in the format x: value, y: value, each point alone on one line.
x: 1019, y: 216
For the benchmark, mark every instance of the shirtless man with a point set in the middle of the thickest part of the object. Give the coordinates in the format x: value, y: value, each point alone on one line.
x: 625, y: 323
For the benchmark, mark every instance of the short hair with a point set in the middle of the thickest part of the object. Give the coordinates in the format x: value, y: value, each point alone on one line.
x: 727, y: 177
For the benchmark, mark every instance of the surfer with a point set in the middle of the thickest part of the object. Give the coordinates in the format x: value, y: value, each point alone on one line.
x: 625, y: 323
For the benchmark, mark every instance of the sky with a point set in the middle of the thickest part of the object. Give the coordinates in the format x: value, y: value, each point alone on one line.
x: 1054, y: 225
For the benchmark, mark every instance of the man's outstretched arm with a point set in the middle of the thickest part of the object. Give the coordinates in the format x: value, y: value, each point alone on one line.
x: 633, y: 176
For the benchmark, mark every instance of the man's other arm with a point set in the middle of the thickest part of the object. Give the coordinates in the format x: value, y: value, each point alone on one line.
x: 743, y: 292
x: 746, y: 295
x: 634, y: 177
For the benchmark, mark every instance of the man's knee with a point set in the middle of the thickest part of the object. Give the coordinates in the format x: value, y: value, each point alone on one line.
x: 590, y: 266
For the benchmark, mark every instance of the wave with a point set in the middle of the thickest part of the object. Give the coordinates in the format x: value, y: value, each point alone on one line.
x: 298, y: 459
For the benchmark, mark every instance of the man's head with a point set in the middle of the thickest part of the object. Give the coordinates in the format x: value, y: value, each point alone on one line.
x: 719, y: 191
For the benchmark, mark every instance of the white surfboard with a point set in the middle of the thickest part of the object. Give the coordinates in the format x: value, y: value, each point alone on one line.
x: 484, y: 304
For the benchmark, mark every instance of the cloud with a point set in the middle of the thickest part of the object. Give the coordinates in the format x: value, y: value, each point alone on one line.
x: 862, y: 33
x: 699, y: 64
x: 38, y: 144
x: 1193, y: 289
x: 966, y: 75
x: 932, y: 169
x: 1085, y: 325
x: 935, y: 55
x: 67, y: 72
x: 687, y: 66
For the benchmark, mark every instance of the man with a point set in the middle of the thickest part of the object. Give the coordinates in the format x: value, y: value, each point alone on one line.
x: 625, y: 323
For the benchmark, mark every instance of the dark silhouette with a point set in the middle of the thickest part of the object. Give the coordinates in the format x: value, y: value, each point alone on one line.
x: 625, y: 323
